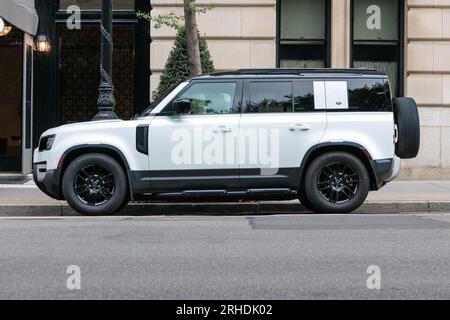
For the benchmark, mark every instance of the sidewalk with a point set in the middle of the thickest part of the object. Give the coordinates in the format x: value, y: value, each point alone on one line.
x: 396, y: 197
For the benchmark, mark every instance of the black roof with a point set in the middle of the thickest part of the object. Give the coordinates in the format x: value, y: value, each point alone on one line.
x: 296, y: 72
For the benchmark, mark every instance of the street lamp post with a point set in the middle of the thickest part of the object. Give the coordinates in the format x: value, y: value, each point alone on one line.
x: 106, y: 101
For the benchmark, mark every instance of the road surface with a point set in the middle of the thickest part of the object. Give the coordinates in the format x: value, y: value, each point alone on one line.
x: 226, y: 257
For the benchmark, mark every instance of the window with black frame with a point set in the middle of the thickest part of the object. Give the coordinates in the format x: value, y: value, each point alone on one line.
x: 79, y: 58
x: 96, y: 4
x: 376, y: 38
x: 303, y: 33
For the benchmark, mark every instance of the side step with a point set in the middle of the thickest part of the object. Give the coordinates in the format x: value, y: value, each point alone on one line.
x: 225, y: 193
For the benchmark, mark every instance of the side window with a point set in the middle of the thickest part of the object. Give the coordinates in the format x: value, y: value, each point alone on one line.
x: 210, y: 97
x: 367, y: 95
x: 269, y: 97
x: 303, y: 96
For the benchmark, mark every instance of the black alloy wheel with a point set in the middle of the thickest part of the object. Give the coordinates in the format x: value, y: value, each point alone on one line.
x: 338, y: 182
x: 94, y: 185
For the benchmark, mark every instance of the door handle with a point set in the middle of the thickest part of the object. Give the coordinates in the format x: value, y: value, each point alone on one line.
x: 223, y: 129
x: 299, y: 127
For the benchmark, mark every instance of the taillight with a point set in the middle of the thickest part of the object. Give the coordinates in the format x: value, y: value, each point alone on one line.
x: 395, y: 134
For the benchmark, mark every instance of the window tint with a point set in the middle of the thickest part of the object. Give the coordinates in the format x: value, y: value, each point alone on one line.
x: 270, y: 97
x: 367, y: 95
x: 211, y: 98
x: 303, y: 96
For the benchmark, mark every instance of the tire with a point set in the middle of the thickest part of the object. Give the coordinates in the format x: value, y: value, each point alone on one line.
x: 95, y: 184
x: 304, y: 200
x: 325, y: 178
x: 408, y: 124
x: 122, y: 206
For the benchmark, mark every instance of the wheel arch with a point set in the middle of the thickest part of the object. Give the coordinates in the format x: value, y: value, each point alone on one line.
x: 76, y: 151
x: 351, y: 147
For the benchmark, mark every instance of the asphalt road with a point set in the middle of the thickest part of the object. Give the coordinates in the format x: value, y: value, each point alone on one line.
x: 256, y: 257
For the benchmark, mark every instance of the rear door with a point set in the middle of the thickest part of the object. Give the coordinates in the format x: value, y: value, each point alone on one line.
x: 281, y: 121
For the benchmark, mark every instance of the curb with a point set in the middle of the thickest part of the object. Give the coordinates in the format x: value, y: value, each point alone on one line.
x: 247, y: 208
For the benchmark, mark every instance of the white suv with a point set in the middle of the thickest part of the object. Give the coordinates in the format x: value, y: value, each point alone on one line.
x: 325, y: 136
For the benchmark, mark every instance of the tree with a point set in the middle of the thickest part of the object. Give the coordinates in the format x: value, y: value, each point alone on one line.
x: 177, y: 66
x: 190, y: 25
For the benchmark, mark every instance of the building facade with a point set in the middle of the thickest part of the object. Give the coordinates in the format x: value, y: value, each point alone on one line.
x: 47, y: 88
x: 409, y: 40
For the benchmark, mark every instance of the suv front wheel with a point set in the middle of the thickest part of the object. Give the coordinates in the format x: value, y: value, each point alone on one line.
x: 95, y: 184
x: 336, y: 182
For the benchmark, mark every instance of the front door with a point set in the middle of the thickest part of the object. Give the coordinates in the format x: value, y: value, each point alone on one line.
x: 197, y: 149
x: 27, y: 106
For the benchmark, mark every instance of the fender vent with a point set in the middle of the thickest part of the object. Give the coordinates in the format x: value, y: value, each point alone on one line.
x: 142, y: 139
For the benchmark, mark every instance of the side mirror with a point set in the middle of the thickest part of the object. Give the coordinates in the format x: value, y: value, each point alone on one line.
x: 182, y: 106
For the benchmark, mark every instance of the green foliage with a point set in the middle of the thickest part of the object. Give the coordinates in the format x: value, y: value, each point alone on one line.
x: 177, y: 66
x: 171, y: 19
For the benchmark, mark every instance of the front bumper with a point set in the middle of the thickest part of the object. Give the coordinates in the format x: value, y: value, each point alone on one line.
x: 47, y: 180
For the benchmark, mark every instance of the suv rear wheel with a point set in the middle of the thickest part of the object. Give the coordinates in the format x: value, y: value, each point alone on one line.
x: 336, y: 182
x: 95, y: 184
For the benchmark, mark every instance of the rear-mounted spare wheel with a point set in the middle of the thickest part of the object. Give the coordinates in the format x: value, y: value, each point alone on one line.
x: 408, y: 126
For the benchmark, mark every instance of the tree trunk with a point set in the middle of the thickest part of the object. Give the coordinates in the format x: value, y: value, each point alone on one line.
x: 190, y: 21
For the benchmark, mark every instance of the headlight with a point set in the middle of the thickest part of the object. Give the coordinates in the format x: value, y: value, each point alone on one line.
x: 46, y: 142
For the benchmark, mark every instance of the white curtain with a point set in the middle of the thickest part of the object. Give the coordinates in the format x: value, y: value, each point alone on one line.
x: 390, y: 68
x: 301, y: 64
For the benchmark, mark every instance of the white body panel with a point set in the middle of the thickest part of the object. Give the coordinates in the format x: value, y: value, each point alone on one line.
x: 295, y: 134
x: 374, y: 131
x: 118, y: 134
x: 336, y: 95
x: 194, y: 142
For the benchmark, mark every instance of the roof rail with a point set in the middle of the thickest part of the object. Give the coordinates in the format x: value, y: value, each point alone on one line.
x: 295, y: 71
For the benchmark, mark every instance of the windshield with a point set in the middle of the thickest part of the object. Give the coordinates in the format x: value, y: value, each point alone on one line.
x: 147, y: 111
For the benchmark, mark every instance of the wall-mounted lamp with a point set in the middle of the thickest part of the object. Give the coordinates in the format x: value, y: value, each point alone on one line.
x: 42, y: 43
x: 4, y: 28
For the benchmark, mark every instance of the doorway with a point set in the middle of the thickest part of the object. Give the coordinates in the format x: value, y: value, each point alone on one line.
x: 11, y: 68
x: 78, y: 77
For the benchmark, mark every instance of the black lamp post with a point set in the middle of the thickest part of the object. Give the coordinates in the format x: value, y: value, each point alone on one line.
x: 106, y: 101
